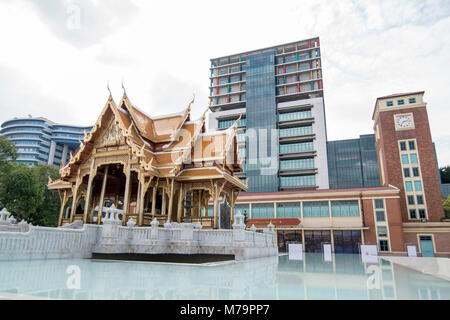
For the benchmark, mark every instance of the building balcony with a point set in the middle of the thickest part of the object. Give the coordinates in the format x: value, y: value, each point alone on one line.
x: 297, y: 82
x: 297, y: 172
x: 295, y: 123
x: 227, y: 65
x: 297, y: 155
x: 302, y: 138
x: 297, y: 51
x: 227, y: 93
x: 296, y: 72
x: 228, y: 105
x: 226, y: 74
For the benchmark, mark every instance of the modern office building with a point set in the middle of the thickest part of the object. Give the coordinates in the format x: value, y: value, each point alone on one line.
x: 400, y: 206
x: 42, y: 141
x: 282, y: 134
x: 353, y: 163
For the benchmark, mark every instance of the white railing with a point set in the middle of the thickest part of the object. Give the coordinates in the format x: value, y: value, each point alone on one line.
x: 111, y: 237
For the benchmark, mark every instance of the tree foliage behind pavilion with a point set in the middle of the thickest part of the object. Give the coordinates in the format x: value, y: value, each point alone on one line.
x: 23, y: 189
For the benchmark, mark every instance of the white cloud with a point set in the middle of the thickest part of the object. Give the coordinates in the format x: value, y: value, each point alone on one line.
x: 162, y: 49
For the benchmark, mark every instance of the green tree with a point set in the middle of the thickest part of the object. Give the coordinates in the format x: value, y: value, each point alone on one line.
x: 47, y: 213
x: 445, y: 174
x: 21, y: 193
x: 8, y: 154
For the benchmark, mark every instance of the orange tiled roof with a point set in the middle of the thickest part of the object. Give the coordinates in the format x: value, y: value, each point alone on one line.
x: 164, y: 144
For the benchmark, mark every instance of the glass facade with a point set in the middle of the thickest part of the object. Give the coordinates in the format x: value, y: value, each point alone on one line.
x: 296, y: 164
x: 345, y: 208
x: 288, y: 210
x: 261, y: 114
x: 298, y: 181
x: 317, y: 209
x: 296, y: 115
x: 353, y: 163
x: 262, y: 210
x: 297, y: 147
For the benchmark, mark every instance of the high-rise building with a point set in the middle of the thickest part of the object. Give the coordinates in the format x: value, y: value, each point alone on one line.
x: 41, y: 141
x: 278, y: 91
x: 353, y: 163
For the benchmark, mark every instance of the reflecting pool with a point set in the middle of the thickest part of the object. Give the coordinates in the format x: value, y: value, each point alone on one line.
x: 346, y: 277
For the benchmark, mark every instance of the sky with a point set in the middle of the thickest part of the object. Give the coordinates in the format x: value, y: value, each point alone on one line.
x: 58, y: 56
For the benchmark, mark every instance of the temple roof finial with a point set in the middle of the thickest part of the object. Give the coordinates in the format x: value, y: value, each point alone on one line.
x: 107, y: 86
x: 124, y: 91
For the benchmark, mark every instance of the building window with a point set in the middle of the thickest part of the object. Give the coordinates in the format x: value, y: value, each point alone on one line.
x: 380, y: 216
x: 379, y: 204
x: 411, y: 200
x: 422, y: 214
x: 262, y: 210
x: 405, y: 159
x: 403, y: 145
x: 296, y: 164
x: 408, y: 186
x: 298, y: 181
x: 318, y: 209
x: 412, y: 214
x: 345, y: 208
x: 382, y: 231
x: 414, y: 158
x: 412, y: 145
x: 288, y: 210
x: 384, y: 245
x: 412, y: 100
x: 390, y: 103
x: 417, y: 185
x: 406, y: 173
x: 400, y: 102
x: 297, y: 147
x: 416, y: 172
x: 420, y: 200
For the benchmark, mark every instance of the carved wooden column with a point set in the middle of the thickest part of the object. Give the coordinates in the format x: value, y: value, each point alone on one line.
x: 138, y: 195
x: 155, y: 189
x: 216, y: 205
x: 171, y: 200
x: 180, y: 204
x: 163, y: 206
x: 61, y: 210
x: 126, y: 196
x: 89, y: 192
x: 141, y: 201
x: 74, y: 198
x: 102, y: 196
x: 233, y: 200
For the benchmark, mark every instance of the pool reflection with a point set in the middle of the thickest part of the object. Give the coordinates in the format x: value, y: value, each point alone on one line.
x: 345, y: 277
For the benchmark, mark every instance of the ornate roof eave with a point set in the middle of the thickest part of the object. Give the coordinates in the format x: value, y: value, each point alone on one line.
x: 230, y: 140
x: 110, y: 104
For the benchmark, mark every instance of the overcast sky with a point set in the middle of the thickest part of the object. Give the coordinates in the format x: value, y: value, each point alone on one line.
x: 57, y: 56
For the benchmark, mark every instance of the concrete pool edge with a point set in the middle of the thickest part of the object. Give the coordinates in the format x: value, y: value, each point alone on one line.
x: 436, y: 267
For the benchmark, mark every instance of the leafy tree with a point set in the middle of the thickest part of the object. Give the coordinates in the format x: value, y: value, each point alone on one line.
x: 445, y: 174
x: 8, y: 153
x: 47, y: 213
x: 22, y: 193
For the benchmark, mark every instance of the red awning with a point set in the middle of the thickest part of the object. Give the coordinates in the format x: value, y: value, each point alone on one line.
x: 278, y: 222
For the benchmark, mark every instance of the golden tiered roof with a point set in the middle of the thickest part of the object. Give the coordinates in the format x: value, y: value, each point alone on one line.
x: 170, y: 146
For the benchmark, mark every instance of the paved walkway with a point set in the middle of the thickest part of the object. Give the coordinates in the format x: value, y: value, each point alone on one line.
x: 13, y: 296
x: 437, y: 267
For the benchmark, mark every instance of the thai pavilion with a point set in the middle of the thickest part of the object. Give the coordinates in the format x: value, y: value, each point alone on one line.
x: 164, y: 167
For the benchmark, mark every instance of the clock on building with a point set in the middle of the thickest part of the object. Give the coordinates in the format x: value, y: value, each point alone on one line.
x: 404, y: 121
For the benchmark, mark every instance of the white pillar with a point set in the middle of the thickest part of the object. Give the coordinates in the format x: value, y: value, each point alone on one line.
x: 65, y: 153
x: 51, y: 154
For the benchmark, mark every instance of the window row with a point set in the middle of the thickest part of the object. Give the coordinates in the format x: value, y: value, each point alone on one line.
x: 304, y: 114
x: 225, y: 124
x: 413, y: 200
x: 297, y: 164
x: 298, y: 181
x: 400, y: 102
x: 311, y: 209
x: 407, y: 172
x: 411, y: 158
x: 413, y: 214
x: 297, y: 147
x: 409, y: 186
x: 408, y: 145
x: 297, y: 131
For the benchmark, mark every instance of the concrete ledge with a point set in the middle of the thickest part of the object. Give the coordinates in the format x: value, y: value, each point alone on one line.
x: 436, y: 267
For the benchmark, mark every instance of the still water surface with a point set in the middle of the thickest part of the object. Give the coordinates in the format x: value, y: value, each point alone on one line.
x: 345, y: 278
